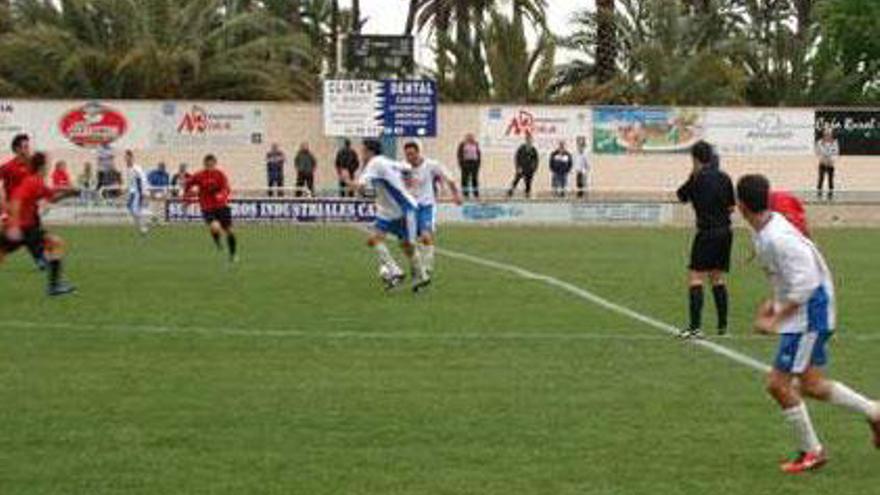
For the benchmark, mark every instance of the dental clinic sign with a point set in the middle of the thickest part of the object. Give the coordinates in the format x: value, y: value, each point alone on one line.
x: 364, y: 108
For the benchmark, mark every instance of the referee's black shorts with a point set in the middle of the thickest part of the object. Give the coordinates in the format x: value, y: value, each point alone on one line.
x: 711, y: 250
x: 221, y: 215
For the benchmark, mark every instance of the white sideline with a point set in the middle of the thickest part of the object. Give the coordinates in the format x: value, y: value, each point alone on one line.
x: 713, y: 347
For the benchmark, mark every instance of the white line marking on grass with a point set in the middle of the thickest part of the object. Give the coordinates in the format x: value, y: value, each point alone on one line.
x: 718, y: 349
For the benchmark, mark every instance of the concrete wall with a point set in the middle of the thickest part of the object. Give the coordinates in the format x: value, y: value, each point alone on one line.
x: 290, y: 124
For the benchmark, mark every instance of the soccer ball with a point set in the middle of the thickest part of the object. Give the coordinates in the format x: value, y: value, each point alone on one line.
x: 386, y: 273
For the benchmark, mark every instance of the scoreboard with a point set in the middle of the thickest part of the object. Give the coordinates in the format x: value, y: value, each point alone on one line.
x: 380, y: 55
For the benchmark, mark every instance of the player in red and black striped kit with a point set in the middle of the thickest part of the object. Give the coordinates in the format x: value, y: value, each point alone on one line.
x: 23, y: 227
x: 212, y: 188
x: 12, y: 173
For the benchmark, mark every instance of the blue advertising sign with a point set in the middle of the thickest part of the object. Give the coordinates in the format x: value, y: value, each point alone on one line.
x: 409, y: 108
x: 281, y: 210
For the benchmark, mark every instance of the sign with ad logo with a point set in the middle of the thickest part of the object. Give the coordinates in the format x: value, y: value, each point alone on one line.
x: 177, y: 124
x: 93, y: 125
x: 857, y: 131
x: 760, y: 132
x: 619, y: 130
x: 56, y: 125
x: 364, y: 108
x: 281, y: 210
x: 503, y: 129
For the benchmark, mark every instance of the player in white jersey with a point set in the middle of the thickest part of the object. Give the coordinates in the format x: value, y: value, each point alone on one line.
x: 424, y: 179
x: 802, y: 312
x: 395, y: 212
x: 137, y: 190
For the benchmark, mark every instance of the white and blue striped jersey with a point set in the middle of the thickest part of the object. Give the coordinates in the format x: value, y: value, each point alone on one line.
x: 393, y: 200
x: 424, y: 180
x: 136, y: 180
x: 799, y: 274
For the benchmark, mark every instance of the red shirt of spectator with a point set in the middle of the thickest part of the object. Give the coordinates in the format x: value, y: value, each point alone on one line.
x: 29, y: 193
x: 213, y: 188
x: 60, y: 177
x: 792, y: 208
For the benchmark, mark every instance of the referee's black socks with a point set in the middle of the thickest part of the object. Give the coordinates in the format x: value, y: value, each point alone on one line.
x: 696, y: 306
x: 719, y: 292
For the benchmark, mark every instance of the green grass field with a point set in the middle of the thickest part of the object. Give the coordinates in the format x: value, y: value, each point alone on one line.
x: 169, y: 373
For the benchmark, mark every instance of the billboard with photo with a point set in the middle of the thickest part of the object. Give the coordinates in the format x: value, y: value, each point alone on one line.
x: 503, y: 129
x: 619, y: 130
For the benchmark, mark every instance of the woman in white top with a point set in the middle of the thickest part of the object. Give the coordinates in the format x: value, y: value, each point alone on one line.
x: 828, y: 150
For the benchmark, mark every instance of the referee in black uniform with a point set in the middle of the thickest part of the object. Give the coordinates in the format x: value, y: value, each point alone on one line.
x: 710, y: 191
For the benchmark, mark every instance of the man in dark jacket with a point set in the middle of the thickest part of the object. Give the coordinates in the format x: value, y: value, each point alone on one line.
x: 561, y: 163
x: 306, y: 165
x: 469, y: 160
x: 275, y: 160
x: 347, y: 165
x: 526, y: 161
x: 710, y: 191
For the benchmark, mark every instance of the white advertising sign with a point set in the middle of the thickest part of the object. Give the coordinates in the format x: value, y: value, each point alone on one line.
x: 182, y: 124
x: 503, y: 129
x: 56, y: 125
x: 760, y: 132
x: 351, y: 108
x: 558, y: 213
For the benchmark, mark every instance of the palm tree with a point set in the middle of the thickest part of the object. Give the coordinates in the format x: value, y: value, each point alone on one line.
x: 171, y: 49
x: 606, y: 42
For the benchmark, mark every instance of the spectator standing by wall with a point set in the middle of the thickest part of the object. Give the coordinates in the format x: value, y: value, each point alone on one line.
x: 827, y: 149
x: 526, y: 162
x: 561, y: 163
x: 275, y: 161
x: 582, y: 167
x: 106, y: 162
x: 347, y: 165
x: 178, y: 182
x: 159, y: 180
x: 61, y: 176
x: 87, y: 182
x: 469, y: 161
x: 306, y: 165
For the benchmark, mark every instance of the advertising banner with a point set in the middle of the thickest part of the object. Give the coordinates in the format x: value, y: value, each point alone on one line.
x: 409, y: 108
x: 618, y: 130
x: 281, y: 210
x: 558, y: 213
x: 181, y: 124
x: 760, y: 132
x: 87, y: 125
x: 503, y: 129
x: 363, y: 108
x: 857, y: 131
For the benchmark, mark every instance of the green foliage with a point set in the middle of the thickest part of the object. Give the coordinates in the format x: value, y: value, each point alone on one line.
x: 152, y: 49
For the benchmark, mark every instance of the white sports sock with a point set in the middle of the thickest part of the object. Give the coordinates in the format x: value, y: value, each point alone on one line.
x: 385, y: 258
x: 428, y: 256
x: 841, y: 395
x: 417, y: 264
x: 799, y: 419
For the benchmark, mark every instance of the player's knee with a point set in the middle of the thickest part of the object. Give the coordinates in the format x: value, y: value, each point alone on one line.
x: 717, y: 278
x: 426, y: 240
x: 54, y: 247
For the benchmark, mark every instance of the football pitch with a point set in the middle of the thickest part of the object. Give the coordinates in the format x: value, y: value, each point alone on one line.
x: 293, y: 372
